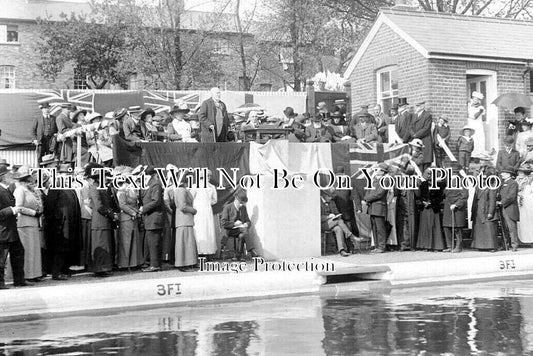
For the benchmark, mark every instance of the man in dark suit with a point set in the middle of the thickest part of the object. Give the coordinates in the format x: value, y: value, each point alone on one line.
x: 376, y: 200
x: 508, y: 157
x: 403, y: 123
x: 509, y: 204
x: 153, y: 212
x: 420, y: 128
x: 214, y: 119
x: 9, y: 236
x: 318, y: 132
x: 456, y: 204
x: 43, y: 130
x: 382, y: 123
x: 134, y: 128
x: 237, y: 224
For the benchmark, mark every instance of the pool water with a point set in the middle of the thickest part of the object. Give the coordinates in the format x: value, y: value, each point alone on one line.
x: 481, y: 319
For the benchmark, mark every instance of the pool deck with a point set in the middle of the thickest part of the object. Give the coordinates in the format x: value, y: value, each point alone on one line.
x: 84, y: 293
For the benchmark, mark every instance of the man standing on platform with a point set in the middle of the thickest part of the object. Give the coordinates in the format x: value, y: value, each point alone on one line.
x: 382, y: 123
x: 214, y: 119
x: 403, y: 122
x: 509, y: 204
x: 9, y: 236
x: 134, y: 129
x: 43, y: 130
x: 455, y: 214
x: 421, y: 129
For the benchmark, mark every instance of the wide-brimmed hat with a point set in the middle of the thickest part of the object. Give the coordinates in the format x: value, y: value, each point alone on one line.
x: 119, y: 113
x: 467, y: 128
x: 478, y: 95
x: 23, y: 172
x: 147, y: 111
x: 417, y: 143
x: 180, y: 107
x: 3, y: 162
x: 289, y: 112
x: 93, y: 116
x: 77, y: 113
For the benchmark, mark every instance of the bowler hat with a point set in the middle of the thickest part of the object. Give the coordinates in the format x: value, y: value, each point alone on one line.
x: 3, y: 162
x: 417, y: 143
x: 289, y: 112
x: 147, y: 111
x: 44, y: 105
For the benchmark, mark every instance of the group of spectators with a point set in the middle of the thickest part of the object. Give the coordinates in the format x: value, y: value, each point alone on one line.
x: 50, y: 231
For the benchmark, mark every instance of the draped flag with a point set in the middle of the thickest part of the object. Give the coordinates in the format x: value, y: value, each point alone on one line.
x: 367, y: 155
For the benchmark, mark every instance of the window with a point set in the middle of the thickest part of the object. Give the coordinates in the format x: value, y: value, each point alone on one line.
x: 7, y: 77
x: 9, y: 33
x: 221, y: 46
x: 387, y: 85
x: 80, y: 80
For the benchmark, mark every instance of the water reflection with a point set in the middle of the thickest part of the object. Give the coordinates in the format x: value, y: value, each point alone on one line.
x: 488, y: 318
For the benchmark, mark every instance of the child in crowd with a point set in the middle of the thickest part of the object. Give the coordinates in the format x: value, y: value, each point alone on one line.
x: 443, y: 130
x: 465, y: 146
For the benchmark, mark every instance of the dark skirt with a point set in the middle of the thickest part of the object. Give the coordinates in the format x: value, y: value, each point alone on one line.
x: 430, y: 232
x: 484, y: 234
x: 169, y: 240
x: 101, y: 250
x: 85, y: 250
x: 129, y: 244
x: 186, y: 251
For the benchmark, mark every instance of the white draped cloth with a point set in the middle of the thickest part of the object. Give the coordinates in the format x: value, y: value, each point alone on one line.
x: 525, y: 225
x: 204, y: 224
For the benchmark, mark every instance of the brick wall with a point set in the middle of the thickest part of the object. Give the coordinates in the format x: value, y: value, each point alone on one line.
x: 441, y: 83
x: 388, y: 49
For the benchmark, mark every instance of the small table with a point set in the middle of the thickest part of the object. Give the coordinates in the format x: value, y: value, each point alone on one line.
x: 262, y: 134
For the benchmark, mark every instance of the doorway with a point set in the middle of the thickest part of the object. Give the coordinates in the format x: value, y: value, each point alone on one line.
x: 484, y: 81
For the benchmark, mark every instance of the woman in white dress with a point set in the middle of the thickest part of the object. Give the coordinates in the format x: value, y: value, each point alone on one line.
x: 522, y: 136
x: 475, y: 121
x: 204, y: 225
x: 525, y: 203
x: 179, y: 129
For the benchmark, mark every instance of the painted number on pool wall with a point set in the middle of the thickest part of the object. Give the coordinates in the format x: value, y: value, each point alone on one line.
x: 507, y: 264
x: 169, y: 289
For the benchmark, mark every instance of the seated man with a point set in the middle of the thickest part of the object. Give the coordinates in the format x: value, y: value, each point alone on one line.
x: 134, y: 128
x: 331, y: 219
x: 318, y: 132
x: 364, y: 131
x: 237, y: 224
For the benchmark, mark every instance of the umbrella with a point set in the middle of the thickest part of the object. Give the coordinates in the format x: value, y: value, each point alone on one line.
x: 513, y: 100
x: 246, y: 108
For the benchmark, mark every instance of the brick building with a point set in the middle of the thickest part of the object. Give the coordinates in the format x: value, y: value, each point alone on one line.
x: 20, y: 33
x: 442, y: 59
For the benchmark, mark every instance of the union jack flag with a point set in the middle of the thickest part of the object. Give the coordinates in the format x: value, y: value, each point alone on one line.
x: 163, y: 101
x: 83, y: 100
x: 54, y: 97
x: 367, y: 155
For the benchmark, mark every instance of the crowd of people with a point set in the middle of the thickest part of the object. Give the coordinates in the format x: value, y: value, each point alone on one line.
x: 54, y: 231
x: 51, y: 231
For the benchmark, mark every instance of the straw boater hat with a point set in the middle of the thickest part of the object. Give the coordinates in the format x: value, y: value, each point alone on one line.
x: 417, y: 143
x: 134, y: 109
x: 467, y: 128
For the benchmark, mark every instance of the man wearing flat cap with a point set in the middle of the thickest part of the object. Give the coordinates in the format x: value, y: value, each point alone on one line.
x: 43, y: 130
x: 421, y: 129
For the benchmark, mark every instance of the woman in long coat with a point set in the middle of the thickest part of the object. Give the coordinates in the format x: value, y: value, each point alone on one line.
x: 129, y: 239
x: 485, y: 226
x: 204, y: 224
x: 186, y: 251
x: 430, y: 231
x: 28, y: 224
x: 102, y: 251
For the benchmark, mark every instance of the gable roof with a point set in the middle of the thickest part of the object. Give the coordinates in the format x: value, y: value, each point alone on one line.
x: 437, y: 35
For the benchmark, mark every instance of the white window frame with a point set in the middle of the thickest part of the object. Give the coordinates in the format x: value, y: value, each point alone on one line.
x: 79, y: 83
x: 7, y: 77
x: 391, y: 93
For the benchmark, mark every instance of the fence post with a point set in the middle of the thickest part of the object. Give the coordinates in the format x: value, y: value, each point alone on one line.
x: 310, y: 90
